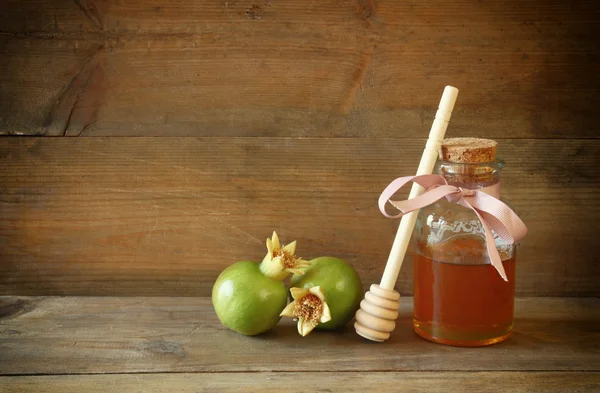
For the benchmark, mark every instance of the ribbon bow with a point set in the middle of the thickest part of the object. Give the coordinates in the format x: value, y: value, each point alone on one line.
x: 492, y: 213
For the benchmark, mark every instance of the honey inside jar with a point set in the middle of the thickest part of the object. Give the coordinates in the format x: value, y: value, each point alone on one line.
x: 463, y: 304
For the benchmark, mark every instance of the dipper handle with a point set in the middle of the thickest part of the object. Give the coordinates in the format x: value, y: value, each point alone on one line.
x: 373, y: 319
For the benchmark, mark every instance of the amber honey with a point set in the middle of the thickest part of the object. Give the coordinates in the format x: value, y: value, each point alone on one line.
x: 463, y: 304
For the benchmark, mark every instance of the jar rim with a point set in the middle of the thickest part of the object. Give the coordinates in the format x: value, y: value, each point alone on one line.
x: 496, y: 164
x: 470, y: 172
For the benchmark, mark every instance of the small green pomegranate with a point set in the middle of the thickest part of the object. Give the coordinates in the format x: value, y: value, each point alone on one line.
x: 341, y: 286
x: 248, y: 296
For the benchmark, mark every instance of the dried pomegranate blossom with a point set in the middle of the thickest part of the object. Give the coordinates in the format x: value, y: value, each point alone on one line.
x: 309, y: 308
x: 281, y: 260
x: 289, y: 261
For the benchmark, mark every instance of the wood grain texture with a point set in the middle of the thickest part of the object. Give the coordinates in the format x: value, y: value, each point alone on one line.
x: 392, y: 382
x: 321, y: 69
x: 163, y: 216
x: 48, y: 18
x: 45, y: 95
x: 91, y: 335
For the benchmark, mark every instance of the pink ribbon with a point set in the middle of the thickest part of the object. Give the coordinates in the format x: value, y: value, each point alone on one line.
x: 492, y: 212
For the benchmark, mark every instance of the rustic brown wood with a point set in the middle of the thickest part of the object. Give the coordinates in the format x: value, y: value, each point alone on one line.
x: 68, y: 116
x: 163, y: 216
x: 351, y: 68
x: 75, y: 335
x: 392, y: 382
x: 45, y: 18
x: 48, y: 84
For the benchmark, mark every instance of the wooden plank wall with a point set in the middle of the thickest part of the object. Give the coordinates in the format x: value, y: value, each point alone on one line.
x: 296, y: 114
x: 526, y: 69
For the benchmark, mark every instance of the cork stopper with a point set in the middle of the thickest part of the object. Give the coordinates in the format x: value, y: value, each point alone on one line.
x: 468, y: 150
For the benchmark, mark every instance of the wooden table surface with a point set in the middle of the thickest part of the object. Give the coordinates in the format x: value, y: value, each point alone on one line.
x: 155, y: 344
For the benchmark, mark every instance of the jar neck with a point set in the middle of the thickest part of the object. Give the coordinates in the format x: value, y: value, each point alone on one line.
x: 472, y: 176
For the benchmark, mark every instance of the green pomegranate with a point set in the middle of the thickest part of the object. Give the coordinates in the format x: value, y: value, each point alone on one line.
x: 340, y: 284
x: 248, y: 296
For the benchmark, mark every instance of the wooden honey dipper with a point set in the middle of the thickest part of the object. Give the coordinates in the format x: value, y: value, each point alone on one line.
x: 375, y: 319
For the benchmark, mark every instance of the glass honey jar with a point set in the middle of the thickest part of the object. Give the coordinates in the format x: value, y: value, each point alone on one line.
x: 459, y: 296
